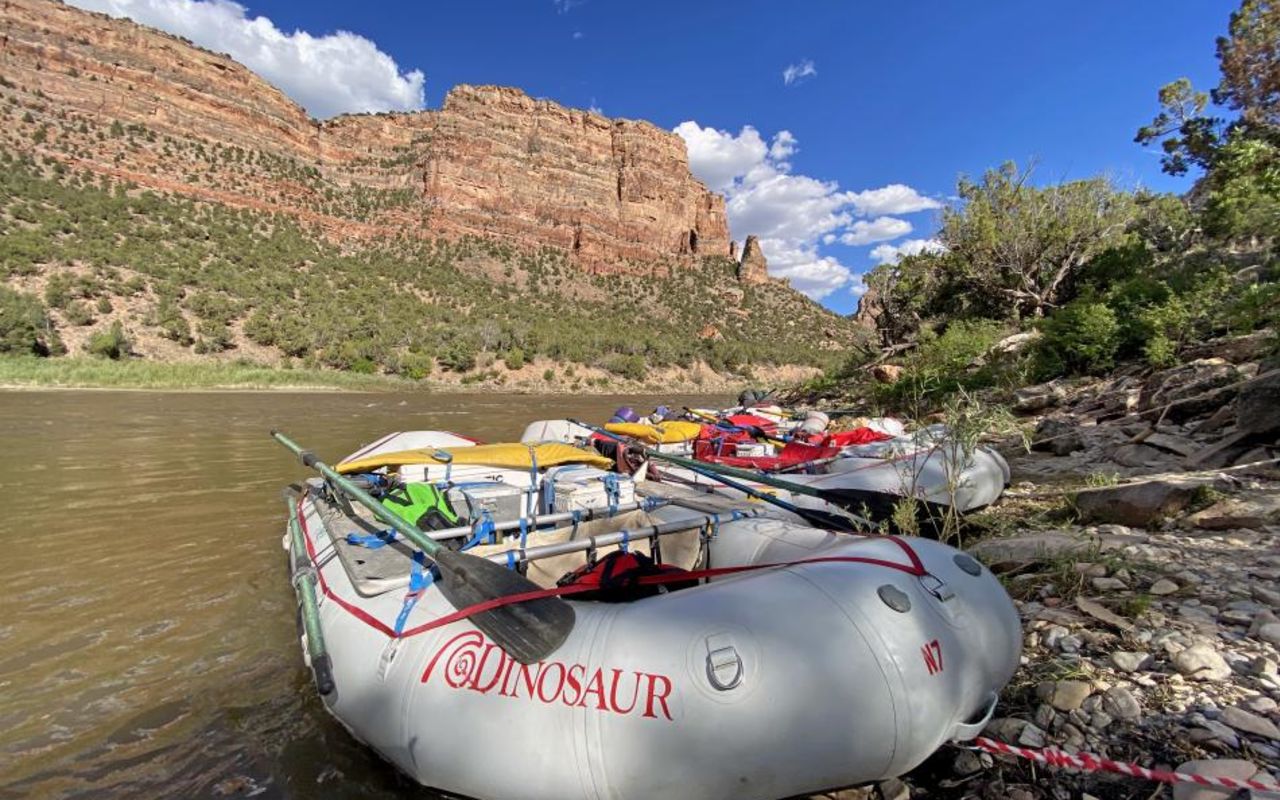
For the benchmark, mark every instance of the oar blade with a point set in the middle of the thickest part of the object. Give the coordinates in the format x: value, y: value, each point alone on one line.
x: 527, y: 631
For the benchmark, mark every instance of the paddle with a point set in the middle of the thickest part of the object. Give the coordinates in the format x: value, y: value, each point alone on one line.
x: 815, y: 516
x: 528, y: 631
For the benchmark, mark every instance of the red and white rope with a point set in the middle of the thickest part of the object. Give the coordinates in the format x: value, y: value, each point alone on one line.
x: 1092, y: 763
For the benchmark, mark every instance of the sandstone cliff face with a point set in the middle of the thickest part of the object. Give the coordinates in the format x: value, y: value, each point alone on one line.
x: 116, y: 98
x: 753, y: 268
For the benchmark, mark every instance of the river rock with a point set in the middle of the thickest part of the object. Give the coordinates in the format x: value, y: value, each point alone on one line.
x: 1064, y: 695
x: 1057, y: 436
x: 1128, y: 661
x: 1163, y: 587
x: 1189, y: 390
x: 1031, y: 399
x: 1121, y: 703
x: 1270, y: 633
x: 1258, y: 409
x: 1109, y: 584
x: 1235, y: 768
x: 1019, y: 550
x: 1251, y: 511
x: 1248, y: 722
x: 1136, y: 504
x: 1202, y: 662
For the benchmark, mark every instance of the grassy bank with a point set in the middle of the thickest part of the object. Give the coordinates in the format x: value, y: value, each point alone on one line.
x: 100, y: 373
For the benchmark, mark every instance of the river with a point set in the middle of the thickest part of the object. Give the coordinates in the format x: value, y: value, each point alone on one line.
x: 147, y: 640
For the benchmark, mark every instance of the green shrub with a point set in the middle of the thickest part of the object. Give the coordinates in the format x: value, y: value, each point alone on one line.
x: 104, y: 305
x: 111, y: 343
x: 78, y: 313
x: 24, y: 326
x: 1081, y: 338
x: 548, y: 375
x: 458, y: 356
x: 514, y: 358
x: 631, y: 367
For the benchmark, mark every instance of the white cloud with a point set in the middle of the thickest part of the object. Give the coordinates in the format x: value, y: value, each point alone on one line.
x: 565, y: 6
x: 578, y: 35
x: 333, y: 74
x: 895, y: 198
x: 718, y: 158
x: 890, y: 254
x: 794, y: 215
x: 795, y: 73
x: 879, y: 229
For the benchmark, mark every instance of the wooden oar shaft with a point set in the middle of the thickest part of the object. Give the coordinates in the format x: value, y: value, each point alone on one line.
x: 409, y: 531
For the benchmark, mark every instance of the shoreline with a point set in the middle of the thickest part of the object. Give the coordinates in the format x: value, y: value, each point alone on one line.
x: 32, y: 374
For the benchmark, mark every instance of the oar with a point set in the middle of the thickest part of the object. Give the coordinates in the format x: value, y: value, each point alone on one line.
x: 528, y: 631
x: 815, y: 516
x: 877, y: 505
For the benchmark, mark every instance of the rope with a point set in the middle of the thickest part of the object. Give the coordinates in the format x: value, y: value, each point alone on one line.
x: 1089, y: 762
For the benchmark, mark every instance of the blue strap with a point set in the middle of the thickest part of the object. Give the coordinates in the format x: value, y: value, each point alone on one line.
x: 484, y: 532
x: 372, y: 540
x: 511, y: 560
x: 524, y: 532
x: 577, y: 517
x: 611, y: 491
x: 626, y: 539
x: 420, y: 579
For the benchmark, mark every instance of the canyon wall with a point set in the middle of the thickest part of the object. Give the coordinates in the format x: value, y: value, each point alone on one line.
x: 116, y: 98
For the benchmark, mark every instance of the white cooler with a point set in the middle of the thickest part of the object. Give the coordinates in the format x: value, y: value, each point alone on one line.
x: 577, y: 488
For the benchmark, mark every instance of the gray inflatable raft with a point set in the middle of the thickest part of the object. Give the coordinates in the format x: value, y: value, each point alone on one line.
x: 850, y: 661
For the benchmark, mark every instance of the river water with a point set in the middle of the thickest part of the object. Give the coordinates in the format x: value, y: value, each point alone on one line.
x: 147, y: 640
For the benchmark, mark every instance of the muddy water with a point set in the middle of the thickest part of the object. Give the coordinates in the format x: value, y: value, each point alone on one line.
x: 147, y: 641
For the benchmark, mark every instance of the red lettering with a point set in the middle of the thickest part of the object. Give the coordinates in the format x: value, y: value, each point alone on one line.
x: 497, y: 672
x: 654, y: 695
x: 542, y: 682
x: 470, y: 661
x: 595, y: 686
x: 932, y: 653
x: 613, y: 693
x: 575, y: 683
x: 522, y: 675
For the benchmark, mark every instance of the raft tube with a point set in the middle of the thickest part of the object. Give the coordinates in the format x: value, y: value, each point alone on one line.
x: 784, y: 681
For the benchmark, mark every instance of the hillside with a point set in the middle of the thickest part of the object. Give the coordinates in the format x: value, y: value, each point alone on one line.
x: 170, y: 190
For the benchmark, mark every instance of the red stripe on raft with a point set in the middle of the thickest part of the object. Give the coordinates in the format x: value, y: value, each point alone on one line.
x: 355, y: 611
x: 915, y: 569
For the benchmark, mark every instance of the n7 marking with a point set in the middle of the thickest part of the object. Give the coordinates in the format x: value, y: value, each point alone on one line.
x: 932, y: 653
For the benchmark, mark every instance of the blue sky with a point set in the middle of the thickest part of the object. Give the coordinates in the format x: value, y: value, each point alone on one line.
x: 888, y: 102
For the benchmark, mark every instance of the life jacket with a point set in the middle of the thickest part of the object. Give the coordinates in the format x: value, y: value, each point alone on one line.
x: 421, y: 504
x: 617, y: 575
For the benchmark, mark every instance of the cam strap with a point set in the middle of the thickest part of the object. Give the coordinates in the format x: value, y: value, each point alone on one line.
x: 914, y: 568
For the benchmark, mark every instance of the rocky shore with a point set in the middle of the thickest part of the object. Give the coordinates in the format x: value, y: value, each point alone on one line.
x: 1141, y: 541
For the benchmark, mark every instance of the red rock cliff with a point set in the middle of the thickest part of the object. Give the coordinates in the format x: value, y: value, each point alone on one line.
x: 117, y: 98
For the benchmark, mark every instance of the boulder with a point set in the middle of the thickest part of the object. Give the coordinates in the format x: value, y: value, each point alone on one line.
x: 1248, y: 722
x: 1189, y: 390
x: 1201, y: 662
x: 1029, y: 548
x: 1136, y: 504
x: 1258, y: 409
x: 1031, y: 399
x: 886, y: 373
x: 1064, y: 695
x: 1236, y: 349
x: 1235, y: 768
x: 1254, y: 511
x: 1057, y: 436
